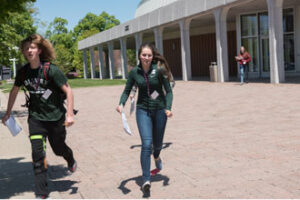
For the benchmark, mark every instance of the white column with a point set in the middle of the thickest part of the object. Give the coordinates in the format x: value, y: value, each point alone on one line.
x: 138, y: 42
x: 158, y: 35
x: 123, y: 57
x: 221, y: 41
x: 92, y: 57
x: 277, y: 73
x: 111, y: 59
x: 13, y: 60
x: 185, y: 49
x: 101, y: 61
x: 85, y: 64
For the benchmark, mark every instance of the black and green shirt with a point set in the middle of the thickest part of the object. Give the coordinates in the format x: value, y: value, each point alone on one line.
x: 148, y: 83
x: 52, y: 108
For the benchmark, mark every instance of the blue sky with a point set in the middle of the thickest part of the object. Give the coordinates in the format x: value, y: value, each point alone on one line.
x: 74, y: 10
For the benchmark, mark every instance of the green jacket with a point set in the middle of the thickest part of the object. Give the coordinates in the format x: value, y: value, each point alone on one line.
x: 156, y: 83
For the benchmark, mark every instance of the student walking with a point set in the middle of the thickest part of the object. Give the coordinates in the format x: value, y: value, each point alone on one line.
x: 243, y: 58
x: 155, y: 97
x: 46, y: 85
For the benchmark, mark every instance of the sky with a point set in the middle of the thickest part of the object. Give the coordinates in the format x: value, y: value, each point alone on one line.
x: 75, y: 10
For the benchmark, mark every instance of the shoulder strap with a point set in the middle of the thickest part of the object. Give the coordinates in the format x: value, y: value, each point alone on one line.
x: 46, y: 70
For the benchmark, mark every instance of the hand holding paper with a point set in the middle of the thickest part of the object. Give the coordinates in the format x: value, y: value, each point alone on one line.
x: 12, y: 125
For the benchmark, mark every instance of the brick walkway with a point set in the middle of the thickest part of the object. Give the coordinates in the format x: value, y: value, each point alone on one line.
x: 224, y: 141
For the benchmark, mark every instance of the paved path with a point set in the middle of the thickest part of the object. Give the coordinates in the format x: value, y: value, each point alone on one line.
x: 224, y: 141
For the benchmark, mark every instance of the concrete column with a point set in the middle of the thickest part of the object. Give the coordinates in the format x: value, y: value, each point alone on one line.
x: 85, y: 64
x: 124, y: 57
x: 92, y: 57
x: 297, y: 37
x: 277, y: 73
x: 239, y: 41
x: 158, y: 35
x: 221, y: 41
x: 138, y: 42
x: 101, y: 62
x: 185, y: 49
x: 111, y: 59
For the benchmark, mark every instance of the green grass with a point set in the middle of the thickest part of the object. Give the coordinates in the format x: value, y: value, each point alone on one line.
x: 75, y: 83
x: 5, y: 87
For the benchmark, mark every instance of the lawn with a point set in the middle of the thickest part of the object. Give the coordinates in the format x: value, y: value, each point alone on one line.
x: 75, y: 83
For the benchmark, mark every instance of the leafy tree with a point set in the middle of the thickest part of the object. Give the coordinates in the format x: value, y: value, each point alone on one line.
x: 16, y: 28
x: 64, y: 58
x: 131, y: 57
x: 65, y: 42
x: 93, y: 22
x: 9, y: 6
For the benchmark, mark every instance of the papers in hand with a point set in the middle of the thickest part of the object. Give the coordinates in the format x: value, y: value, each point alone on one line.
x: 132, y: 106
x: 125, y: 124
x: 12, y: 125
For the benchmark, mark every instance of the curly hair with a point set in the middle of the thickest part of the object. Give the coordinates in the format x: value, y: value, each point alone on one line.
x: 45, y: 45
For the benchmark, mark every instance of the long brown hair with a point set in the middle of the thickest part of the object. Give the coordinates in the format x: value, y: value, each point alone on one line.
x: 160, y: 60
x: 47, y: 53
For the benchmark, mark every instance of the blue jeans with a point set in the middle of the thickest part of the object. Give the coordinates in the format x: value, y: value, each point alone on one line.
x: 151, y: 125
x: 243, y: 70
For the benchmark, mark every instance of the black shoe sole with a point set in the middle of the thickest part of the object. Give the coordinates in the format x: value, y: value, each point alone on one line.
x: 146, y: 189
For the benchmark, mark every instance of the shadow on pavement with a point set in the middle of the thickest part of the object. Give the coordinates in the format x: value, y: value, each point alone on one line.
x: 138, y: 180
x: 16, y: 113
x: 165, y: 145
x: 17, y: 177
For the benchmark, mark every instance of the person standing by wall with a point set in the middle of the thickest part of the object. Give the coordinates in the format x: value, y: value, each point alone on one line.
x: 47, y: 115
x: 243, y: 58
x: 151, y: 76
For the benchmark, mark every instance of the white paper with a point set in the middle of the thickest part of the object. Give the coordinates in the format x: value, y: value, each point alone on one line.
x: 12, y: 125
x: 132, y: 106
x: 125, y: 124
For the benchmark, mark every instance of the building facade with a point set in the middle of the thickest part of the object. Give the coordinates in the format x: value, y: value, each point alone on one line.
x: 193, y: 33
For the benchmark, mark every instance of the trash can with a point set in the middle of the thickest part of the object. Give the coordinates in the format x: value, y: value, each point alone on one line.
x: 6, y: 73
x: 213, y: 72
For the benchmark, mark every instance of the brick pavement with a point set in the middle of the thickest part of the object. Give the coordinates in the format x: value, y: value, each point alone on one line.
x: 224, y: 141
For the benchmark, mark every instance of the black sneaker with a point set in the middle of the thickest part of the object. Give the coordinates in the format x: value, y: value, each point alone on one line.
x: 146, y: 187
x: 73, y: 168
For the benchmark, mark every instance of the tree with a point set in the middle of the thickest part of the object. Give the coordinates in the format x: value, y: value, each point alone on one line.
x: 16, y: 28
x: 64, y: 58
x: 9, y: 6
x: 93, y: 22
x: 90, y: 25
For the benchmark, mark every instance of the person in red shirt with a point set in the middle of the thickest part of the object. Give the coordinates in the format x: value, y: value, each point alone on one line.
x: 243, y: 58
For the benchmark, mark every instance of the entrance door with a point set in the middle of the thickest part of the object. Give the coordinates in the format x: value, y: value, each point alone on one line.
x: 264, y: 57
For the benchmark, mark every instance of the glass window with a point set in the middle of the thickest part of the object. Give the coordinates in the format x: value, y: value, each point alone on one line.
x: 263, y: 24
x: 249, y: 25
x: 250, y: 45
x: 288, y: 20
x: 289, y: 53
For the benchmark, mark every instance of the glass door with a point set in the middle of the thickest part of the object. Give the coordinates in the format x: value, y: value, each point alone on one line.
x: 264, y: 44
x: 265, y: 57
